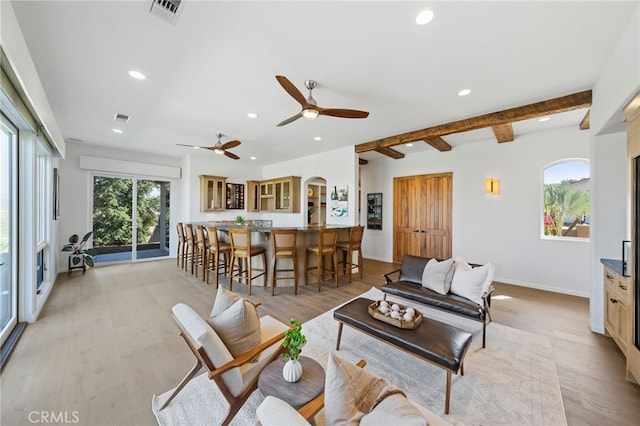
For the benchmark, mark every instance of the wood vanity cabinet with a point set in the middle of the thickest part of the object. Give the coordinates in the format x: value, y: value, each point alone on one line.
x: 617, y: 302
x: 212, y: 193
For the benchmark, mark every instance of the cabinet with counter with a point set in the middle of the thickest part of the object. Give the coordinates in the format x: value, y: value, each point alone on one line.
x: 617, y: 303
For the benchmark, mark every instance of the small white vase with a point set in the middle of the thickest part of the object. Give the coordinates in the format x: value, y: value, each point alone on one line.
x: 292, y: 370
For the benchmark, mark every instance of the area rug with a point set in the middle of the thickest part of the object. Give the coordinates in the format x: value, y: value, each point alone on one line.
x: 512, y: 381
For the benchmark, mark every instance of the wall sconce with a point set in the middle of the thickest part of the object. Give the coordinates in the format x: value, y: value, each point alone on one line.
x: 492, y: 186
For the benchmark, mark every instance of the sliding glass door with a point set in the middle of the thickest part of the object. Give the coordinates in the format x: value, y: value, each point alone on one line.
x: 8, y: 229
x: 116, y: 201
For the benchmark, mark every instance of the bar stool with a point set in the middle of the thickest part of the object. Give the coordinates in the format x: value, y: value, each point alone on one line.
x: 190, y: 247
x: 283, y: 246
x: 200, y: 250
x: 242, y: 250
x: 215, y: 249
x: 326, y: 247
x: 348, y: 247
x: 181, y: 244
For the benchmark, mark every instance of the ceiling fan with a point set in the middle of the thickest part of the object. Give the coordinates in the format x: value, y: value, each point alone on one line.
x: 219, y: 148
x: 310, y: 108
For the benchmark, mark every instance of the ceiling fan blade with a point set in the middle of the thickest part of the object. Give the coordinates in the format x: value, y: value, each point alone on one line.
x: 290, y: 119
x: 230, y: 144
x: 343, y: 113
x: 195, y: 146
x: 231, y: 155
x: 291, y: 90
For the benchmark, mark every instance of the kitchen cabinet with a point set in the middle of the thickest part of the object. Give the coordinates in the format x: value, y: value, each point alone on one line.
x: 212, y: 193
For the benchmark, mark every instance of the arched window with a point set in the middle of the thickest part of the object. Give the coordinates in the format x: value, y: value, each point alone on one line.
x: 566, y: 195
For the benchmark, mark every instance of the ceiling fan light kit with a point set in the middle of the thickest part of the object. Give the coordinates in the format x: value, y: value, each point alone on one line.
x: 219, y: 148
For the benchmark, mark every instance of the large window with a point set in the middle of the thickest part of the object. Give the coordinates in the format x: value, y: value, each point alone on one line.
x: 567, y: 189
x: 43, y: 190
x: 8, y: 229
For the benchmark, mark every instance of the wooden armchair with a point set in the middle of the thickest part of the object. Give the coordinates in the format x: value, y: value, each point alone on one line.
x: 236, y: 377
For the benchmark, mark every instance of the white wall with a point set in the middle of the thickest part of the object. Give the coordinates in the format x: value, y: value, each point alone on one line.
x: 503, y: 229
x: 608, y: 212
x: 75, y: 189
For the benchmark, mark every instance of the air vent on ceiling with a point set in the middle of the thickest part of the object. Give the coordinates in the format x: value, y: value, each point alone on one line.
x: 122, y: 118
x: 167, y: 10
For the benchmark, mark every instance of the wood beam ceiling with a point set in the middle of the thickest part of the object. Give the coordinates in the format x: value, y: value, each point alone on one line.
x: 586, y: 121
x: 439, y: 144
x: 503, y: 132
x: 498, y: 119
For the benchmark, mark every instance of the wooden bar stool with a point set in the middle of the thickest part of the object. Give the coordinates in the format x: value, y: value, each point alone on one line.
x: 283, y: 246
x: 326, y: 247
x: 200, y: 250
x: 190, y: 247
x: 181, y: 245
x: 215, y: 249
x: 242, y: 250
x: 348, y: 247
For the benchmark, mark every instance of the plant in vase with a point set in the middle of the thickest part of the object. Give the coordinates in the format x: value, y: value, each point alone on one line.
x: 239, y: 220
x: 79, y: 255
x: 293, y: 341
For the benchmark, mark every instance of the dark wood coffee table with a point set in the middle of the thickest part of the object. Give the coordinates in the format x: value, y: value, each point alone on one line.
x: 309, y: 387
x: 434, y: 341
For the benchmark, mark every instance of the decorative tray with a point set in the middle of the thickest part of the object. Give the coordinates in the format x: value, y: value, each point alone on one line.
x: 379, y: 311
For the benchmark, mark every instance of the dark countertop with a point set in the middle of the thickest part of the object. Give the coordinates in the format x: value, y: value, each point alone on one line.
x: 613, y: 264
x: 224, y: 226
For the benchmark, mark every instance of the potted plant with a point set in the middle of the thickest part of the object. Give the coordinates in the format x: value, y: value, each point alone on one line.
x: 79, y: 256
x: 239, y: 220
x: 294, y: 340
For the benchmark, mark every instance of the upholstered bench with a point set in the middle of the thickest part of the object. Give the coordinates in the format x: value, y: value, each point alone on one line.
x: 439, y: 343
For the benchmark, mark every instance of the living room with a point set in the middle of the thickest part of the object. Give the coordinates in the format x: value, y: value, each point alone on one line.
x: 502, y: 229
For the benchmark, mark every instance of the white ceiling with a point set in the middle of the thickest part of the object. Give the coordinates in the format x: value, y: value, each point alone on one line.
x: 219, y: 61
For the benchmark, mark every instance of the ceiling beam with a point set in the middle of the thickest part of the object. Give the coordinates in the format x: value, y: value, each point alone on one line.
x: 439, y: 144
x: 586, y: 121
x: 390, y: 152
x: 503, y: 132
x: 525, y: 112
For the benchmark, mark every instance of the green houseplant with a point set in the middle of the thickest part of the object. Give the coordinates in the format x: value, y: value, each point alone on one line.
x: 80, y: 255
x: 293, y: 341
x: 239, y: 220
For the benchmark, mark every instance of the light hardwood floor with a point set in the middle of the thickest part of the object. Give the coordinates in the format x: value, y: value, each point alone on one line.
x: 105, y: 343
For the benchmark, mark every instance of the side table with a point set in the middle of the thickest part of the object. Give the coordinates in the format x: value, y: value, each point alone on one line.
x: 297, y: 394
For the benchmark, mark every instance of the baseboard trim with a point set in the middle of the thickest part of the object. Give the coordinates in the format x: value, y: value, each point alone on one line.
x: 10, y: 344
x: 552, y: 289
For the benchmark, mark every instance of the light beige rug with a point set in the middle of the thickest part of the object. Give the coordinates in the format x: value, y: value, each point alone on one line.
x: 512, y: 381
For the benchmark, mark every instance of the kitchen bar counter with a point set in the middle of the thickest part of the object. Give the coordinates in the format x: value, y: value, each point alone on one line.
x: 260, y: 235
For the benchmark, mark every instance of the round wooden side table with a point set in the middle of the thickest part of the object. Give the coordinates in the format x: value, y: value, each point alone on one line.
x: 297, y: 394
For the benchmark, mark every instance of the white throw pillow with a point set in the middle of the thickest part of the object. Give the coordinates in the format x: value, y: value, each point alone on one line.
x: 238, y: 327
x: 394, y: 410
x: 437, y: 276
x: 472, y: 283
x: 224, y: 299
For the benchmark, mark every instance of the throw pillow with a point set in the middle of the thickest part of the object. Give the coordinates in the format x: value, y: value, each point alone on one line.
x: 437, y: 275
x: 395, y: 409
x: 350, y: 392
x: 238, y: 327
x: 472, y: 283
x: 224, y: 299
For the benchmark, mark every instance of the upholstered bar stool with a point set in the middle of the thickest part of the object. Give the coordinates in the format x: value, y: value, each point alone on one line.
x: 283, y: 246
x: 348, y: 247
x: 181, y: 245
x: 326, y: 247
x: 190, y: 246
x: 215, y: 250
x: 243, y: 252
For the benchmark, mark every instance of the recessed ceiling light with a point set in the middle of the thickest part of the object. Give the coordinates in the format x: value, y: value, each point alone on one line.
x: 252, y: 115
x: 137, y: 75
x: 425, y: 16
x: 464, y: 92
x: 117, y: 131
x: 409, y: 144
x: 544, y: 119
x: 253, y: 158
x: 317, y: 138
